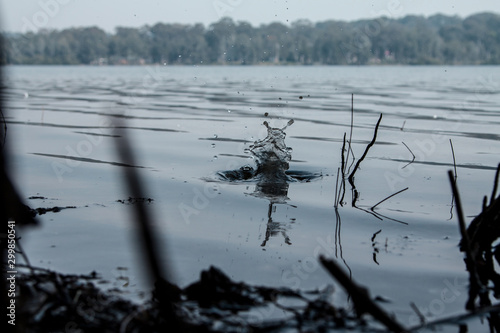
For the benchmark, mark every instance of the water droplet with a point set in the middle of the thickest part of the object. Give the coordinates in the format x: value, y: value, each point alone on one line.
x: 215, y: 136
x: 228, y: 111
x: 180, y: 56
x: 164, y: 64
x: 212, y: 145
x: 26, y: 95
x: 215, y: 157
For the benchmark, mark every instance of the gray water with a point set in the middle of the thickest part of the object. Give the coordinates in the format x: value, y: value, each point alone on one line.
x: 189, y: 124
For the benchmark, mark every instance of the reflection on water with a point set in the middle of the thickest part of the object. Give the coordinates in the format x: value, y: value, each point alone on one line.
x: 273, y: 228
x: 272, y: 157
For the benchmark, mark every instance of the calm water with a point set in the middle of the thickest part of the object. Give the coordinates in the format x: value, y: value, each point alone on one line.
x: 186, y: 124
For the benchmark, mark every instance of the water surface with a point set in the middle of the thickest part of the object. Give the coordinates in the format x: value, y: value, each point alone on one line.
x: 188, y: 124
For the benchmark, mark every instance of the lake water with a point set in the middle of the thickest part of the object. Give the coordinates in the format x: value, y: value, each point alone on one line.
x: 187, y: 124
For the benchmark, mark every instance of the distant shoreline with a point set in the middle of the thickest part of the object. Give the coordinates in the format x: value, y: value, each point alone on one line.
x: 411, y: 40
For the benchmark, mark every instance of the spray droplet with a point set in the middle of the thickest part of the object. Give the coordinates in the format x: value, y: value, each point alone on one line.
x: 215, y: 136
x: 212, y: 145
x: 228, y: 111
x: 215, y: 157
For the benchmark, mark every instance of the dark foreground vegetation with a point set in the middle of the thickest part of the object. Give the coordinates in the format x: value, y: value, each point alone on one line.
x: 415, y: 40
x: 53, y: 302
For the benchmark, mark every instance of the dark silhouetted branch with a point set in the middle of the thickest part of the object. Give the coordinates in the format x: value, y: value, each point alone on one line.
x: 476, y: 286
x: 351, y: 176
x: 454, y: 161
x: 360, y: 297
x: 495, y: 185
x: 350, y: 132
x: 378, y: 203
x: 165, y: 292
x: 419, y: 314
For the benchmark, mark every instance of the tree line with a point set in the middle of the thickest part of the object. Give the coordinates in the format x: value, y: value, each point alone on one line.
x: 438, y: 39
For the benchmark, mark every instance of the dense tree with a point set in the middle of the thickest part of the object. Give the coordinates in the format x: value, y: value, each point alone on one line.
x: 438, y: 39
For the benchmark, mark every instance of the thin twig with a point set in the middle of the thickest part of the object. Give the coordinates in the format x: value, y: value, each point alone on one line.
x: 413, y: 159
x: 351, y: 176
x: 454, y: 161
x: 455, y: 180
x: 475, y: 283
x: 495, y: 185
x: 5, y: 128
x: 460, y: 214
x: 378, y: 203
x: 342, y: 186
x: 350, y: 130
x: 336, y: 203
x: 360, y: 297
x: 353, y: 158
x: 342, y: 155
x: 403, y: 126
x: 419, y: 314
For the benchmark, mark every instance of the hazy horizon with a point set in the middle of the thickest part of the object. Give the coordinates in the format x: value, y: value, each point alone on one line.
x: 238, y: 21
x: 63, y: 14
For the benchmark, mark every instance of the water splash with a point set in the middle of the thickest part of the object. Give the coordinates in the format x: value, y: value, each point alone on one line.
x: 272, y: 155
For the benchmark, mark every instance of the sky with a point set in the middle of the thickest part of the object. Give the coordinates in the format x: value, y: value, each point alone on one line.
x: 32, y: 15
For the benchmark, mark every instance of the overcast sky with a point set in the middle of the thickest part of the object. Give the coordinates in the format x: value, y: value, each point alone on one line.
x: 24, y: 15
